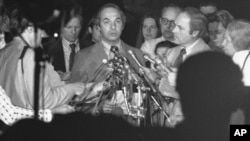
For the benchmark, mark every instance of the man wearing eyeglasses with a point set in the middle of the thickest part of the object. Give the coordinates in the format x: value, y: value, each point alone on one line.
x: 167, y: 23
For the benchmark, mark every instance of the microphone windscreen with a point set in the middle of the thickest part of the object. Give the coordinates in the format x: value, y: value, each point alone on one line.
x: 104, y: 61
x: 158, y: 60
x: 130, y: 52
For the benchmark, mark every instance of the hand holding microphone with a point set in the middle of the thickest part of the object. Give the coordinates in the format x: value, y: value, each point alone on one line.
x: 158, y: 61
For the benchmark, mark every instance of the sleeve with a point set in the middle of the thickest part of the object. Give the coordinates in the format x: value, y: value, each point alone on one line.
x: 50, y: 97
x: 9, y: 113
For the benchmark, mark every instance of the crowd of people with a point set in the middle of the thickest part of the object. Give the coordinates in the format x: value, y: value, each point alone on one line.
x: 192, y: 65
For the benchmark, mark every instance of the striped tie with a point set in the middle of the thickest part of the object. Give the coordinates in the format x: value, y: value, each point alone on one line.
x: 72, y: 55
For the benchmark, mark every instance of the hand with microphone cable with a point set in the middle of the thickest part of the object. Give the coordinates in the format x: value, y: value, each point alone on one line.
x: 143, y: 70
x: 160, y: 68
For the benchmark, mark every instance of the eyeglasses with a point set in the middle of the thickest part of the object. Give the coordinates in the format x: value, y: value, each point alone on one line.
x: 166, y: 21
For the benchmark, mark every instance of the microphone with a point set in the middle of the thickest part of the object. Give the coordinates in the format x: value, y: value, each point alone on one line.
x: 104, y: 61
x: 148, y: 58
x: 131, y: 73
x: 133, y: 56
x: 159, y: 62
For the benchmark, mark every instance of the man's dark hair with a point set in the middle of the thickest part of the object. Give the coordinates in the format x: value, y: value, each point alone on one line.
x: 165, y: 44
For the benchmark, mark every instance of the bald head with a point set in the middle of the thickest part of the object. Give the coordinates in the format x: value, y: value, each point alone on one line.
x: 167, y: 20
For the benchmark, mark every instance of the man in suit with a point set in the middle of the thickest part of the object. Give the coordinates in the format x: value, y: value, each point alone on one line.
x: 63, y: 51
x: 88, y: 65
x: 188, y: 32
x: 190, y: 26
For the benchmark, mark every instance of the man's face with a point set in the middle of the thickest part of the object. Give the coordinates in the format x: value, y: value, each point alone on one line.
x: 35, y: 38
x: 167, y: 21
x: 216, y: 33
x: 149, y: 29
x: 111, y: 25
x: 71, y: 31
x: 181, y: 31
x: 228, y: 46
x: 96, y: 35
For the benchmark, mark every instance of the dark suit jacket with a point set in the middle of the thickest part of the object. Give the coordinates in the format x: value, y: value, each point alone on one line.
x: 88, y: 66
x: 57, y: 56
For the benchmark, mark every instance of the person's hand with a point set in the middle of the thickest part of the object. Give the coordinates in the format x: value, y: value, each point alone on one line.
x: 172, y: 78
x: 100, y: 86
x: 176, y: 115
x: 150, y: 74
x: 77, y: 87
x: 65, y: 76
x: 63, y: 109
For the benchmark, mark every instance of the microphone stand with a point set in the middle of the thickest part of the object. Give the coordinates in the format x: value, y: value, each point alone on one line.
x: 155, y: 90
x: 38, y: 58
x: 40, y: 61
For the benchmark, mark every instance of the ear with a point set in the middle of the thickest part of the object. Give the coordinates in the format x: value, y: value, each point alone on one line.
x: 195, y: 33
x: 90, y: 30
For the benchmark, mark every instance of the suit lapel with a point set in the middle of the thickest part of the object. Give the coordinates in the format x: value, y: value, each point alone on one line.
x: 59, y: 60
x: 95, y: 61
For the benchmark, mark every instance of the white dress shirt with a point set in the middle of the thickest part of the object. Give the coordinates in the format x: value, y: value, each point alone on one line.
x: 189, y: 49
x: 107, y: 48
x: 148, y: 47
x: 239, y: 58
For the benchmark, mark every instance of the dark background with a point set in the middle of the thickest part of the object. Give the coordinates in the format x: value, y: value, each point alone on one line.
x: 240, y: 9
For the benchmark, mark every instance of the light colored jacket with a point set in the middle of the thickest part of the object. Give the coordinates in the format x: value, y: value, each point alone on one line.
x: 17, y: 79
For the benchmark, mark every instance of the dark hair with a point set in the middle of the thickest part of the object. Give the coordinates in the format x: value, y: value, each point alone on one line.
x: 110, y: 5
x: 198, y: 21
x: 92, y: 23
x: 203, y: 4
x: 140, y: 38
x: 221, y: 16
x: 18, y: 22
x: 71, y: 12
x: 165, y: 44
x: 213, y: 74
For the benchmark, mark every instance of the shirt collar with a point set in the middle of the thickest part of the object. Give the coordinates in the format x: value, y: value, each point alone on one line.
x: 190, y: 47
x: 161, y: 39
x: 107, y: 46
x: 68, y: 43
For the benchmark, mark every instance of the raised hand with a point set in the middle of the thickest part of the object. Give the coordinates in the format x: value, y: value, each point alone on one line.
x: 63, y: 109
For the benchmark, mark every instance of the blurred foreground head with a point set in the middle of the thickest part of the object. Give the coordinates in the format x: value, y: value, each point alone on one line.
x: 209, y: 85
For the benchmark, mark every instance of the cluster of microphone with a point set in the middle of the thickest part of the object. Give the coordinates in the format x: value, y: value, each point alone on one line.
x: 120, y: 63
x: 158, y: 62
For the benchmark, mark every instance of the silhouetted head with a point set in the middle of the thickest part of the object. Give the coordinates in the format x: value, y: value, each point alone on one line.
x: 209, y: 85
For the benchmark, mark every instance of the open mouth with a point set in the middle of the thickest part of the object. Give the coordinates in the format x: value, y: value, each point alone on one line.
x: 113, y: 34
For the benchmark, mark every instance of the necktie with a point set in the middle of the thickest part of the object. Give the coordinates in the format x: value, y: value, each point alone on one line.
x: 179, y: 59
x: 113, y: 52
x: 72, y: 55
